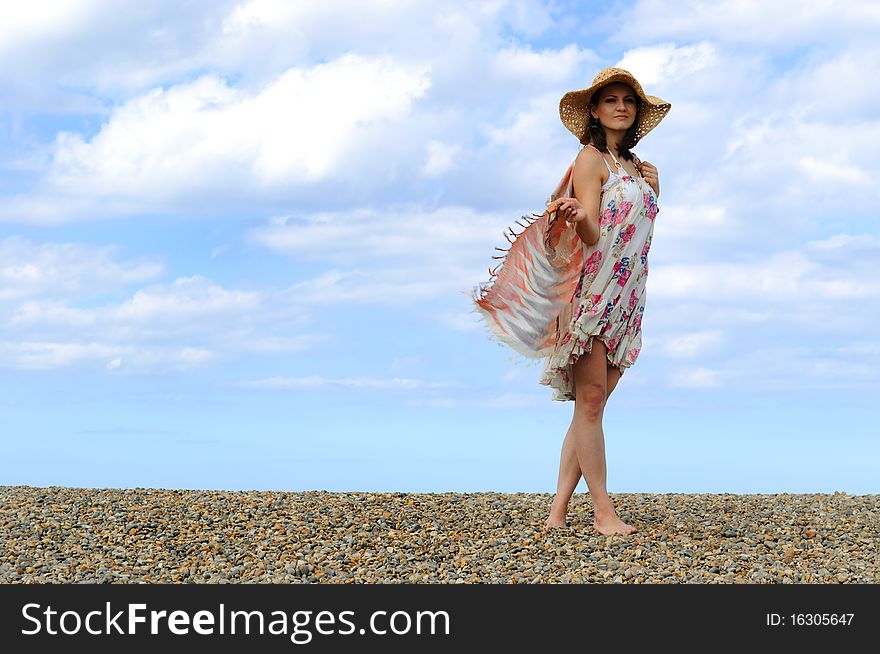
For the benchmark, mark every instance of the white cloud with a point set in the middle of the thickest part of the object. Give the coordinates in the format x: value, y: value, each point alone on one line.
x: 23, y: 23
x: 255, y: 14
x: 823, y: 363
x: 823, y: 171
x: 56, y: 314
x: 29, y: 269
x: 793, y: 276
x: 183, y: 304
x: 658, y: 63
x: 278, y: 344
x: 696, y: 378
x: 184, y: 299
x: 862, y: 243
x: 528, y: 127
x: 557, y: 65
x: 395, y: 256
x: 363, y: 235
x: 27, y: 315
x: 692, y: 344
x: 440, y: 157
x: 158, y: 148
x: 772, y: 25
x: 697, y: 222
x: 43, y: 355
x: 56, y: 57
x: 377, y: 286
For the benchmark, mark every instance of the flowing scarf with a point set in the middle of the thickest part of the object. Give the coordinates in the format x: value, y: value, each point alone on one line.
x: 535, y: 280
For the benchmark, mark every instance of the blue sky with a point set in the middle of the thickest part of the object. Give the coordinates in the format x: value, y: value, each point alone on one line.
x: 237, y: 243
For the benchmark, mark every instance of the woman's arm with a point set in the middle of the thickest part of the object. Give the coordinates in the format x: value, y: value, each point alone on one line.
x: 587, y: 180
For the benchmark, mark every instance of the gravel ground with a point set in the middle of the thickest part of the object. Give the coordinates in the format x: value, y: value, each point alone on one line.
x: 142, y: 535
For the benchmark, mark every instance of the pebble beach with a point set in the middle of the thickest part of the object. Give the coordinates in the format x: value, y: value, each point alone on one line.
x: 142, y: 535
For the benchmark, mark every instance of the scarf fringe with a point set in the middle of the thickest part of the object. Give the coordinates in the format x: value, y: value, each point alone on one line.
x: 480, y: 291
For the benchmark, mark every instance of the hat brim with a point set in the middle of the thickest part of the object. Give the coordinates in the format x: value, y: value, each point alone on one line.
x: 574, y: 107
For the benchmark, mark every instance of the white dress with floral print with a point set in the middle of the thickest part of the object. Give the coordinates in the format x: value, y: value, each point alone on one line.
x: 609, y: 300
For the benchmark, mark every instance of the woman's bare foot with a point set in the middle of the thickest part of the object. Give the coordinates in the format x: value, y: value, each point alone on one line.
x: 554, y: 522
x: 557, y: 516
x: 612, y: 524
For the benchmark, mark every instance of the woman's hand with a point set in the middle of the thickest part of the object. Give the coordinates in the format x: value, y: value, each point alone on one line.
x: 652, y: 176
x: 569, y: 209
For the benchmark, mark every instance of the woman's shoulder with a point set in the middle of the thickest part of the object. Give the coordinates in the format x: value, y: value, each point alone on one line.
x: 589, y: 167
x: 588, y: 155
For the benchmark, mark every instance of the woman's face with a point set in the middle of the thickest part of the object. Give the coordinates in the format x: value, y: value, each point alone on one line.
x: 617, y: 106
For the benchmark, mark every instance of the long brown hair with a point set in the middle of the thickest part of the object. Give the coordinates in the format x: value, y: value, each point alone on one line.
x: 595, y: 134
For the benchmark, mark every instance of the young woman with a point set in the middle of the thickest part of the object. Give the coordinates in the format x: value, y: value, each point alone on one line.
x: 573, y: 290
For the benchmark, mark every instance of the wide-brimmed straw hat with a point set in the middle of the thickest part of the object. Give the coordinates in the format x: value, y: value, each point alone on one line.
x: 574, y: 108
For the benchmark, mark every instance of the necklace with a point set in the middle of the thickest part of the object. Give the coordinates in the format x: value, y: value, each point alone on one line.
x: 617, y: 162
x: 620, y: 166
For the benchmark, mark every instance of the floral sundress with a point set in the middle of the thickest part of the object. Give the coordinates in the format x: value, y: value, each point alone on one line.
x: 609, y: 300
x: 554, y: 293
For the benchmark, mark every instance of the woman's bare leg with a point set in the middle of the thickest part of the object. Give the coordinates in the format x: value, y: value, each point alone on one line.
x: 591, y: 391
x: 569, y: 468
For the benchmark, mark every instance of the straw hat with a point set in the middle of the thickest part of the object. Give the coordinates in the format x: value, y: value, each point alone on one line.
x: 574, y: 108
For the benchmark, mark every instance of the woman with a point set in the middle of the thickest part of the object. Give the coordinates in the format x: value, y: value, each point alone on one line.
x: 573, y: 290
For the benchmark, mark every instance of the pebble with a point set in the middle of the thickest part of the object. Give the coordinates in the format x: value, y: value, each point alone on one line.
x: 142, y: 535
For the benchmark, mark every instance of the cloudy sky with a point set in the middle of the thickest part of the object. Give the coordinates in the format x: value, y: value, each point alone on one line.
x: 238, y: 241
